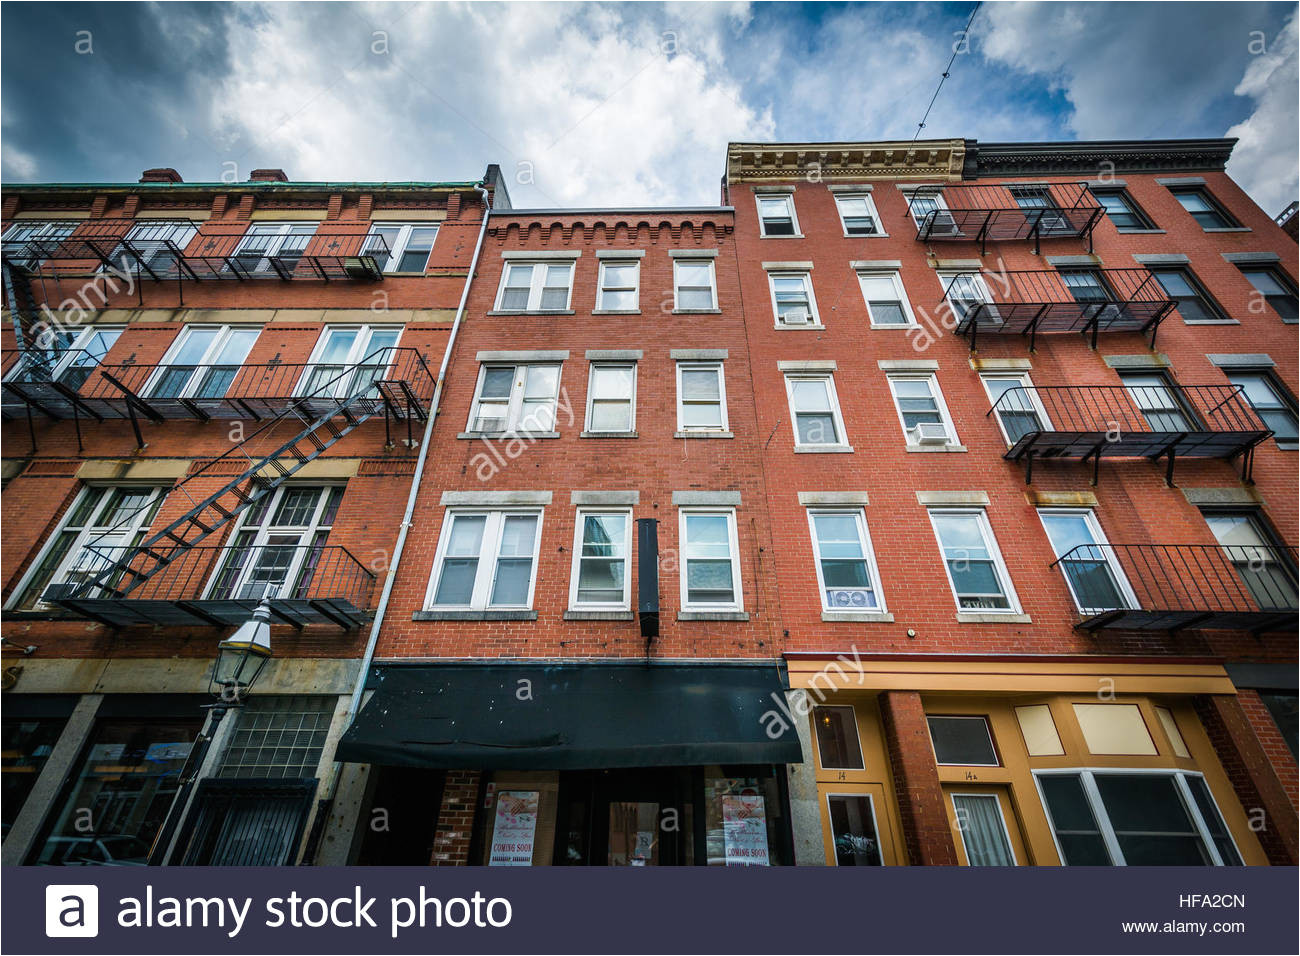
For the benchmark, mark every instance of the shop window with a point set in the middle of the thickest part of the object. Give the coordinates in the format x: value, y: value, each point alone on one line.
x: 962, y: 741
x: 1128, y: 818
x: 743, y: 817
x: 853, y: 829
x: 515, y: 398
x: 119, y: 792
x: 1114, y: 729
x: 278, y: 737
x: 27, y: 744
x: 837, y: 738
x: 983, y: 829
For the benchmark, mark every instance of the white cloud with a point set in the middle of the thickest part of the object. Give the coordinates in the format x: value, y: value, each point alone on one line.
x: 1264, y: 160
x: 16, y: 164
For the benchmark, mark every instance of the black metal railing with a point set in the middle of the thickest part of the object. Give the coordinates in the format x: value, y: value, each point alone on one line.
x: 995, y: 212
x: 220, y: 586
x: 1175, y: 586
x: 1083, y: 422
x: 1037, y: 301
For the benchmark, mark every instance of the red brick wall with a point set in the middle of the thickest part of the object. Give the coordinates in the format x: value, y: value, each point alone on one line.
x: 456, y: 818
x: 916, y: 780
x: 1270, y: 739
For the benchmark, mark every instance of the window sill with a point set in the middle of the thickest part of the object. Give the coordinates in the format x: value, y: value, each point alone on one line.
x: 531, y: 312
x: 863, y: 617
x: 599, y: 616
x: 1288, y: 445
x: 869, y: 235
x: 506, y: 436
x: 793, y: 235
x: 796, y: 328
x: 991, y: 617
x: 899, y: 328
x: 1291, y: 321
x: 704, y: 435
x: 696, y: 312
x: 712, y: 616
x: 1210, y: 322
x: 474, y: 616
x: 1229, y: 229
x: 823, y: 449
x: 607, y: 435
x: 615, y: 311
x: 952, y: 448
x: 1140, y: 232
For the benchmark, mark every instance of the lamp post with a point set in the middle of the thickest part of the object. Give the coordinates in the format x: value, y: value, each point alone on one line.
x: 241, y: 659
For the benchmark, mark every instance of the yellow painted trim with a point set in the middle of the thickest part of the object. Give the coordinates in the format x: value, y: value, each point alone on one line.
x: 53, y: 214
x: 322, y: 468
x: 1061, y: 499
x: 288, y: 215
x: 147, y: 469
x: 408, y: 215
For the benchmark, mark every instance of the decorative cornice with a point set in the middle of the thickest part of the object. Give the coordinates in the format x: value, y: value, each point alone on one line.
x: 845, y: 162
x: 1096, y: 158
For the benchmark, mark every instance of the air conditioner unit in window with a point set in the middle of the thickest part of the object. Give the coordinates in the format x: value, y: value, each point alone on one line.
x: 795, y: 317
x: 930, y: 433
x: 942, y: 224
x: 851, y: 599
x: 490, y: 425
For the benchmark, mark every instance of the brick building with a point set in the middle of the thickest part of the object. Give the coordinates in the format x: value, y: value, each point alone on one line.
x: 214, y: 397
x: 923, y: 503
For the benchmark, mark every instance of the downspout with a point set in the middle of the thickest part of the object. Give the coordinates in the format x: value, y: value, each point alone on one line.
x: 391, y: 576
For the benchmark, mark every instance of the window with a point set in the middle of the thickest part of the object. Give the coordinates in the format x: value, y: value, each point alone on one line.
x: 102, y: 526
x: 815, y: 410
x: 535, y: 287
x: 278, y: 737
x: 1086, y: 559
x: 838, y: 746
x: 1266, y: 571
x: 792, y: 298
x: 886, y: 299
x: 202, y: 362
x: 693, y: 289
x: 930, y: 213
x: 1159, y: 402
x: 401, y: 247
x: 1193, y: 302
x: 279, y: 545
x: 922, y: 410
x: 26, y: 742
x: 976, y: 574
x: 1122, y: 210
x: 487, y: 559
x: 967, y: 295
x: 348, y: 360
x: 611, y: 397
x: 1127, y: 818
x: 620, y: 284
x: 710, y: 561
x: 962, y: 741
x: 1041, y: 210
x: 35, y: 238
x: 1017, y: 406
x: 983, y: 829
x: 853, y: 829
x: 515, y: 398
x: 846, y: 566
x: 284, y: 242
x: 776, y: 215
x: 1276, y: 289
x: 858, y: 214
x: 67, y: 356
x: 701, y: 397
x: 1204, y: 209
x: 155, y: 244
x: 601, y: 559
x: 1270, y: 400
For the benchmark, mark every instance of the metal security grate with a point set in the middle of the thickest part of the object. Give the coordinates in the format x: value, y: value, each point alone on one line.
x: 278, y: 738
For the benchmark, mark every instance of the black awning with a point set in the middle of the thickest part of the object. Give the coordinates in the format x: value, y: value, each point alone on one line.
x: 572, y: 716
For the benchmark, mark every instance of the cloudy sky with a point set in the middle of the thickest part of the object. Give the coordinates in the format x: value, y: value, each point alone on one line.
x: 619, y: 104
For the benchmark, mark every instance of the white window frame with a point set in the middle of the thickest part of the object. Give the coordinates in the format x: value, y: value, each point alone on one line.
x: 1023, y: 381
x: 684, y: 365
x: 829, y: 378
x: 875, y: 822
x: 738, y: 604
x: 406, y: 230
x: 167, y: 231
x: 935, y: 392
x: 897, y: 279
x: 946, y: 279
x: 224, y: 334
x: 996, y: 797
x: 133, y: 529
x: 359, y: 350
x: 515, y: 402
x: 995, y: 554
x: 941, y: 204
x: 488, y: 556
x: 1099, y: 539
x: 591, y: 396
x: 60, y: 358
x: 869, y: 555
x: 789, y: 205
x: 814, y: 317
x: 713, y: 281
x: 871, y: 211
x: 601, y: 287
x: 33, y: 230
x: 275, y: 240
x: 579, y: 520
x: 1087, y: 776
x: 536, y: 284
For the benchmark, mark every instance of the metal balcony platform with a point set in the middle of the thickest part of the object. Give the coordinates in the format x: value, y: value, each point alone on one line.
x: 994, y: 212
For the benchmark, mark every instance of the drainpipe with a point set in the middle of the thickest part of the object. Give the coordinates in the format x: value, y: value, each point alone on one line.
x: 390, y: 577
